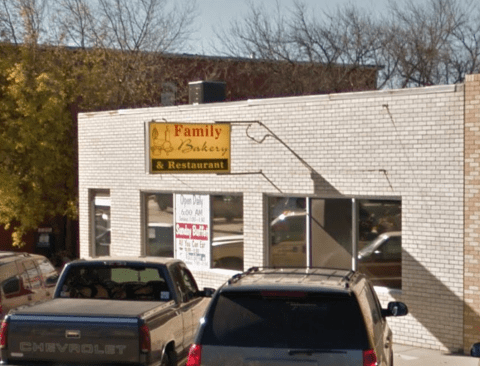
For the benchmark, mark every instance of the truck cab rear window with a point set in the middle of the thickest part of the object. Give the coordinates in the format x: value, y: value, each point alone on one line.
x: 116, y: 283
x: 310, y: 321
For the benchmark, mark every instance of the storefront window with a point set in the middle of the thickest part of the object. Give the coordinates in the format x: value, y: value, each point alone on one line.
x: 380, y: 242
x: 227, y: 232
x: 101, y: 223
x: 159, y: 208
x: 331, y: 233
x: 320, y: 232
x: 288, y: 218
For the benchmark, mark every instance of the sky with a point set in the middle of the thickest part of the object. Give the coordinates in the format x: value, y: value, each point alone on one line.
x: 222, y: 12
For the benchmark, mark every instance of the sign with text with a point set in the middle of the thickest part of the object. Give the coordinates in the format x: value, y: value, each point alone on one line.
x: 189, y: 147
x: 192, y: 229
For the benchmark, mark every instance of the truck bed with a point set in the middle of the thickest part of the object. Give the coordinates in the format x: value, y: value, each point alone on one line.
x: 87, y: 307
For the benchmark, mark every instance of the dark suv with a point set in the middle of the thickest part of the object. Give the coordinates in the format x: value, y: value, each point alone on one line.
x: 24, y: 279
x: 296, y: 317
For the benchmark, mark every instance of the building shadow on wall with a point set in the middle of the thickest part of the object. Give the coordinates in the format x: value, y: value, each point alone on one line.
x: 436, y: 306
x: 321, y: 186
x: 439, y: 309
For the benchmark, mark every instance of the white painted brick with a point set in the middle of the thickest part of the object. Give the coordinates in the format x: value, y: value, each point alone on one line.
x: 347, y: 139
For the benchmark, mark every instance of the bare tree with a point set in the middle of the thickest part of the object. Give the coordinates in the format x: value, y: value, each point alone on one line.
x: 413, y: 44
x: 264, y: 33
x: 466, y: 51
x: 9, y: 23
x: 76, y: 24
x: 22, y: 20
x: 328, y: 52
x: 423, y: 43
x: 348, y: 37
x: 139, y: 25
x: 127, y: 25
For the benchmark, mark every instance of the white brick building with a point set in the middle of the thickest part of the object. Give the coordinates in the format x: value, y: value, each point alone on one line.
x: 406, y: 146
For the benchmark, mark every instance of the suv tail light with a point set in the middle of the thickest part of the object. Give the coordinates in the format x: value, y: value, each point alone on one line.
x: 194, y: 355
x: 3, y: 334
x: 145, y: 343
x: 369, y: 358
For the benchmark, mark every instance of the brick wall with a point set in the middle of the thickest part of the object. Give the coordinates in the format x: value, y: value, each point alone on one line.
x: 472, y: 211
x: 406, y: 144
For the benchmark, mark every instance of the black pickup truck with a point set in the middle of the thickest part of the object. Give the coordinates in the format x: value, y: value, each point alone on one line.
x: 141, y: 311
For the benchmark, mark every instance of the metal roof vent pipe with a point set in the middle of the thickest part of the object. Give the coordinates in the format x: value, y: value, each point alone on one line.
x: 200, y: 92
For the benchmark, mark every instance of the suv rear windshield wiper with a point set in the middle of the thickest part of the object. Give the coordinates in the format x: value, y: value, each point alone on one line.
x: 292, y: 352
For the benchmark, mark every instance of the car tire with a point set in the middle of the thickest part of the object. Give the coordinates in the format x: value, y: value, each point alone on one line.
x: 169, y: 359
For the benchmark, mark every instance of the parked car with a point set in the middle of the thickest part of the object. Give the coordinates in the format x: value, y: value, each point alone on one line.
x: 381, y: 260
x: 106, y: 311
x: 227, y: 252
x: 475, y: 350
x: 287, y: 316
x: 24, y: 279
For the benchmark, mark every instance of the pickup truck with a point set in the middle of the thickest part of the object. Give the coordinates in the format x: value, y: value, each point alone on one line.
x: 140, y: 311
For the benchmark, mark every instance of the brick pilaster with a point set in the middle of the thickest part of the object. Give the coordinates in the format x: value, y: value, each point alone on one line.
x: 472, y: 212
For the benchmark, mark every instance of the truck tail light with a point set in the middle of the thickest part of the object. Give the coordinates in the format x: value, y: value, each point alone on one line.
x: 369, y: 358
x: 194, y: 355
x: 145, y: 342
x: 3, y: 335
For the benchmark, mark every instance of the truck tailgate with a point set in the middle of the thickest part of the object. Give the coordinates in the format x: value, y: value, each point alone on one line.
x: 73, y: 339
x: 109, y: 336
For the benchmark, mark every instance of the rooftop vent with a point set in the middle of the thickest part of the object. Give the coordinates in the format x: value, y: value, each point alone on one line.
x: 200, y: 92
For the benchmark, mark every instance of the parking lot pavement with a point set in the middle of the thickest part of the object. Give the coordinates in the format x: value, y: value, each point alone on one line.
x: 414, y: 356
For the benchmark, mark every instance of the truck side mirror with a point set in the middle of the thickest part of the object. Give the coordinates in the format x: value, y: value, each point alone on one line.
x: 395, y: 308
x: 475, y: 351
x: 207, y: 292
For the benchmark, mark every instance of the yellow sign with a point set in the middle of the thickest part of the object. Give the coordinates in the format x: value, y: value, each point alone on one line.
x: 189, y: 147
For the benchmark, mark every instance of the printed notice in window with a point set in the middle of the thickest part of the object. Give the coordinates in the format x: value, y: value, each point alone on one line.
x: 192, y: 230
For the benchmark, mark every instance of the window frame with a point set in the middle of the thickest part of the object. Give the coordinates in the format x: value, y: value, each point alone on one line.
x: 146, y: 220
x: 14, y: 279
x: 227, y: 218
x: 355, y: 224
x: 31, y: 274
x: 103, y: 193
x: 145, y: 195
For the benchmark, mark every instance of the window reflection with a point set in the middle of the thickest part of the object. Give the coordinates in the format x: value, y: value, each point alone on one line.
x: 102, y: 223
x: 50, y: 275
x: 329, y: 241
x: 11, y: 286
x: 380, y: 244
x: 159, y: 224
x: 288, y: 217
x: 227, y: 233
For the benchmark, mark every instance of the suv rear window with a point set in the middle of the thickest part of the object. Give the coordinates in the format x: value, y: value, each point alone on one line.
x: 286, y: 320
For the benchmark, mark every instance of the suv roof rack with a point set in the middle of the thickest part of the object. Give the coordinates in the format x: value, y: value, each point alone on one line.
x: 346, y: 278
